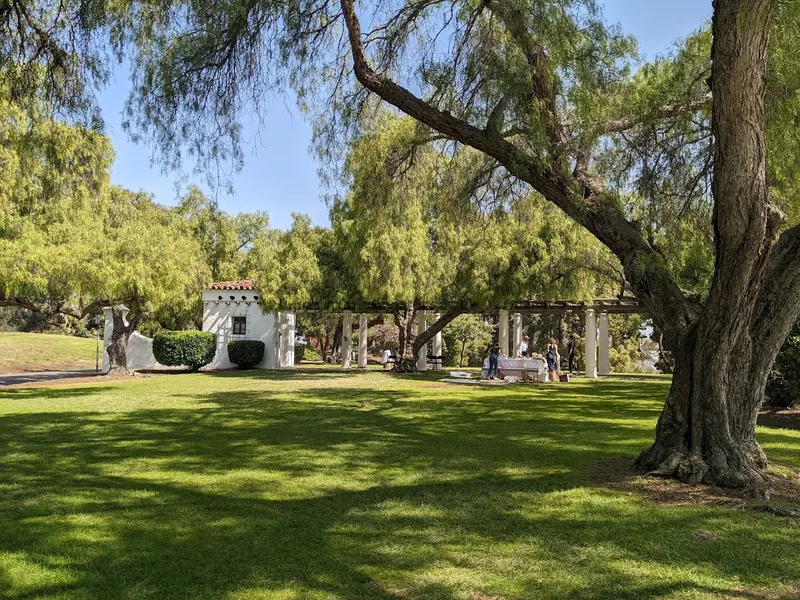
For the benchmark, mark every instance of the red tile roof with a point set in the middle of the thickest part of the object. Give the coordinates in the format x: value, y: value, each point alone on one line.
x: 246, y: 284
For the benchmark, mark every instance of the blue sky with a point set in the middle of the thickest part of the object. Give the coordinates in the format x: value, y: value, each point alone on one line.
x: 281, y: 177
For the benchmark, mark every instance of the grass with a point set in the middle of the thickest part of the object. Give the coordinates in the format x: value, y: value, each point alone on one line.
x: 320, y: 484
x: 45, y: 352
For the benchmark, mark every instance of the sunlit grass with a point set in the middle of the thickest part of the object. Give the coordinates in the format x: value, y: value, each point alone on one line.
x: 322, y: 484
x: 45, y: 352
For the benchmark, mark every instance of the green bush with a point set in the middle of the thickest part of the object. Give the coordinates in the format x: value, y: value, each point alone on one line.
x: 783, y: 386
x: 192, y: 349
x: 245, y: 354
x: 150, y: 328
x: 304, y: 352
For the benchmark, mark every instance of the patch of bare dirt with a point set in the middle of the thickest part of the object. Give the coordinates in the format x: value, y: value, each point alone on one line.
x: 781, y: 488
x: 783, y: 418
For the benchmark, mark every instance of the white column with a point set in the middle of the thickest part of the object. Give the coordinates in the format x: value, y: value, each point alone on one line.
x: 347, y: 338
x: 517, y: 335
x: 437, y: 340
x: 286, y: 327
x: 603, y: 364
x: 503, y: 333
x: 591, y: 344
x: 422, y: 354
x: 362, y: 341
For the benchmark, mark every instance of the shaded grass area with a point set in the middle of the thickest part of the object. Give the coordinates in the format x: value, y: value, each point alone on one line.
x: 323, y: 484
x: 21, y: 352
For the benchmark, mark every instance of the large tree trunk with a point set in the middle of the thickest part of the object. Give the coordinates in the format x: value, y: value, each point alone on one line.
x: 406, y: 361
x: 707, y: 430
x: 118, y: 344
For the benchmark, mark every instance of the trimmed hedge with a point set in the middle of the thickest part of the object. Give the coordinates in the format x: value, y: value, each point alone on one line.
x: 193, y: 349
x: 245, y: 354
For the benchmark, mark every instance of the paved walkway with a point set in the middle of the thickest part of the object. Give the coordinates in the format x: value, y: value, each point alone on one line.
x: 38, y: 376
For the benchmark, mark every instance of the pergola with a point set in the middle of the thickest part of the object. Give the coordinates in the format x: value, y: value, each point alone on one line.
x: 595, y: 313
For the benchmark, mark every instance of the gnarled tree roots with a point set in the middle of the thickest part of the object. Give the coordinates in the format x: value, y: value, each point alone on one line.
x: 731, y: 469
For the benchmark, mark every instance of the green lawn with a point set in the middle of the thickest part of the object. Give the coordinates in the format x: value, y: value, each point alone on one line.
x: 45, y: 352
x: 325, y: 485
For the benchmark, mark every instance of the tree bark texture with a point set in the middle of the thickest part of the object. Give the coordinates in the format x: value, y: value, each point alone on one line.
x: 707, y: 430
x: 118, y: 344
x: 724, y: 347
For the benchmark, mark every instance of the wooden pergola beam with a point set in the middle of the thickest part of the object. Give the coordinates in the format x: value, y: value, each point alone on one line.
x: 532, y: 307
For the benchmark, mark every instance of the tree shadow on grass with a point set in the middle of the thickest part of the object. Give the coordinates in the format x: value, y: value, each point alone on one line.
x: 53, y: 392
x: 352, y: 493
x: 301, y: 373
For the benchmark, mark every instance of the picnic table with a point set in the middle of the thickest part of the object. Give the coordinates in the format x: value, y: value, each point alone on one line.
x: 527, y: 369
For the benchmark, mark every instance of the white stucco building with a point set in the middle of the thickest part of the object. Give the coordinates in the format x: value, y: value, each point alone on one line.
x: 231, y: 310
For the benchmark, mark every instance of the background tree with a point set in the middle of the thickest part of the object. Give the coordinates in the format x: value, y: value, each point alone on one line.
x: 70, y: 243
x: 226, y: 239
x: 411, y: 236
x: 466, y: 333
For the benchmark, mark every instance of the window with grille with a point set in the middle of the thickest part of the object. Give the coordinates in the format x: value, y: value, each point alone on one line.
x: 239, y: 325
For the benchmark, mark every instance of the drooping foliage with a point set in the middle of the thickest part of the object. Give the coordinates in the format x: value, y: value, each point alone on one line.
x: 226, y: 239
x: 410, y: 233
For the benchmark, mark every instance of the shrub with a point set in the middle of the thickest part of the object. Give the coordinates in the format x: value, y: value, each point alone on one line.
x: 150, y: 328
x: 783, y: 386
x: 779, y: 394
x: 245, y: 354
x: 192, y: 349
x: 304, y: 352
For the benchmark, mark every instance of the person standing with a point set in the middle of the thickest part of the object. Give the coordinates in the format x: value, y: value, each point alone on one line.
x: 494, y: 359
x: 523, y: 346
x: 571, y: 352
x: 551, y: 356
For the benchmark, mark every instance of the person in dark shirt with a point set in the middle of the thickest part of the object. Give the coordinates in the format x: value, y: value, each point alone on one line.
x: 494, y: 359
x: 551, y: 356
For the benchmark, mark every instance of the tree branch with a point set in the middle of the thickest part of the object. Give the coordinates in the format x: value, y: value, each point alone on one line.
x: 542, y: 84
x: 521, y: 164
x: 779, y: 298
x: 664, y: 112
x: 442, y: 322
x: 598, y: 212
